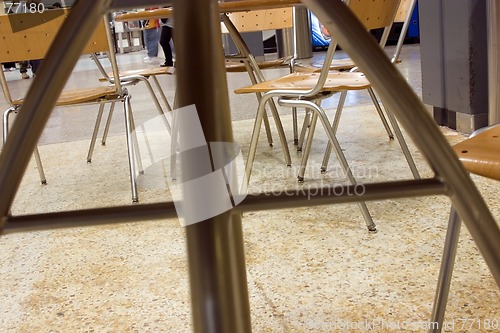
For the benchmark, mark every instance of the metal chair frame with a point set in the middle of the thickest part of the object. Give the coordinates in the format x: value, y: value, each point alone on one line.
x: 116, y: 93
x: 209, y: 267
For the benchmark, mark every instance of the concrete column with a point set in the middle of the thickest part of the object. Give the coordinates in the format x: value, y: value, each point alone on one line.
x: 454, y: 53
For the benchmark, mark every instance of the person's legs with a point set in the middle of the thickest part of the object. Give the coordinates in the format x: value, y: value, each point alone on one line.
x: 23, y: 68
x: 165, y: 37
x: 34, y: 65
x: 151, y: 37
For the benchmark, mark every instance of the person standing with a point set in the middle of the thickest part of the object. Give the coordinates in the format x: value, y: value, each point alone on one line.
x: 151, y: 39
x: 166, y: 37
x: 34, y: 64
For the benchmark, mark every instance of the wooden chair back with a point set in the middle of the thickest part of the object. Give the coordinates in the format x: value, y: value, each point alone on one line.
x: 403, y: 9
x: 261, y: 20
x: 29, y: 36
x: 375, y: 15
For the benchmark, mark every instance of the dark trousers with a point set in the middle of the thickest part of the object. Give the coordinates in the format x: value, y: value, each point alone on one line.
x: 165, y: 38
x: 33, y: 63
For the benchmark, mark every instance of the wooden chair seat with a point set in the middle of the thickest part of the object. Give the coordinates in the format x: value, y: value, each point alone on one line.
x: 79, y: 96
x: 147, y: 72
x: 337, y: 65
x: 480, y: 154
x: 336, y: 81
x: 238, y: 66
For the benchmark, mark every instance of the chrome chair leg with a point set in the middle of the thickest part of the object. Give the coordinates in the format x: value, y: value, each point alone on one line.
x: 446, y: 271
x: 39, y: 166
x: 108, y: 124
x: 295, y: 127
x: 397, y: 131
x: 153, y: 95
x: 135, y: 140
x: 267, y: 126
x: 130, y: 148
x: 307, y: 150
x: 161, y: 92
x: 403, y: 145
x: 380, y: 113
x: 305, y: 125
x: 38, y: 160
x: 261, y: 112
x: 336, y: 122
x: 318, y: 112
x: 281, y: 133
x: 253, y: 79
x: 335, y: 126
x: 94, y: 133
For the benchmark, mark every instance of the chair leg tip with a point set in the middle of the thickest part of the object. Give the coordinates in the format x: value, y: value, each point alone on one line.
x: 44, y: 182
x: 323, y: 171
x: 300, y: 179
x: 372, y: 229
x: 89, y: 161
x: 270, y: 145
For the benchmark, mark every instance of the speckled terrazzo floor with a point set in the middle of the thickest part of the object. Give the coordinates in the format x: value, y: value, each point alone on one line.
x: 308, y: 269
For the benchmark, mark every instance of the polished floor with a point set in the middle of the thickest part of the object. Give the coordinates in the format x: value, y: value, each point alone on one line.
x: 309, y: 269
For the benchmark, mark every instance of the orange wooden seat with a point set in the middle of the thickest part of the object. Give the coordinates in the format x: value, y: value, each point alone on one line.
x: 336, y: 81
x: 480, y: 153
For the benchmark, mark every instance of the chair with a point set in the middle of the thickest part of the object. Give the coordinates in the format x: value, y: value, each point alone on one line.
x: 403, y: 15
x: 148, y: 72
x: 480, y: 154
x: 132, y: 78
x: 308, y: 89
x: 258, y: 20
x: 28, y: 36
